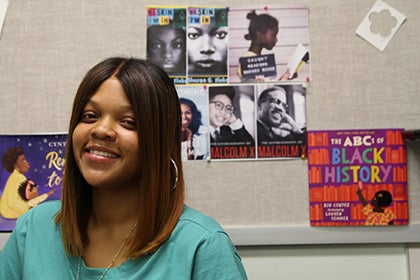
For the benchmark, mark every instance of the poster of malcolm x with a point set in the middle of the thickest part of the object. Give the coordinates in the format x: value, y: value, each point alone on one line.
x: 281, y: 120
x: 232, y: 122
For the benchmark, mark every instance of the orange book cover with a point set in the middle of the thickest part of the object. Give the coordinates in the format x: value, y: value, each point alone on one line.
x: 361, y: 179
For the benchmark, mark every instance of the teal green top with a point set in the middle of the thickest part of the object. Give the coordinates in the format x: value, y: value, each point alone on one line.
x: 198, y: 249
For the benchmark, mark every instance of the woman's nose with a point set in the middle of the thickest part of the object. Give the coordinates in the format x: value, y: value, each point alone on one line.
x: 104, y: 129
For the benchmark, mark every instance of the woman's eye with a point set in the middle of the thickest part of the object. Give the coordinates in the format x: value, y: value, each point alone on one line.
x: 128, y: 123
x: 88, y: 117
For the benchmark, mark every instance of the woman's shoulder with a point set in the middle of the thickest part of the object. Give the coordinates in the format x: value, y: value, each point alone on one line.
x: 38, y: 223
x: 47, y: 207
x: 195, y: 222
x: 42, y: 213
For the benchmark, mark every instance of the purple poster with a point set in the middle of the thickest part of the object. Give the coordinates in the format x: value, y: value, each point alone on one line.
x: 357, y: 177
x: 31, y: 173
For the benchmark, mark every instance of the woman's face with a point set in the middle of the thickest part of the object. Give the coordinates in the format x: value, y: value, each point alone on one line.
x: 207, y: 48
x: 166, y: 48
x: 22, y: 165
x: 187, y: 116
x: 105, y: 141
x: 219, y: 116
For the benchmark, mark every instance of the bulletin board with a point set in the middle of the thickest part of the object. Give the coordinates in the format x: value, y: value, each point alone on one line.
x: 46, y: 47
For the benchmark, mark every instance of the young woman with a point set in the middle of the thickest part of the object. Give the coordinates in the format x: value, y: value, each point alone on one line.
x: 122, y: 214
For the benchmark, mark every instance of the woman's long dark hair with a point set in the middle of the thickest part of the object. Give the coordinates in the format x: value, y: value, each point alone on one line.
x: 156, y: 108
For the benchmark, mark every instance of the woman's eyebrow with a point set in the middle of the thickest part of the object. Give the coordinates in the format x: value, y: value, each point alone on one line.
x: 94, y: 103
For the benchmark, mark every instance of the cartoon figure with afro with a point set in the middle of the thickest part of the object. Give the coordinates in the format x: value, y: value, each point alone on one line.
x: 19, y: 193
x: 11, y: 204
x: 28, y: 190
x: 376, y: 212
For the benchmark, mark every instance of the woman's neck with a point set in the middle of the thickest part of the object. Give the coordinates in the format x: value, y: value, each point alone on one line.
x: 114, y: 208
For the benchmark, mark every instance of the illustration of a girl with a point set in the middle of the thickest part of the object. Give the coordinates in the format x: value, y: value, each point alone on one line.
x: 28, y: 190
x: 376, y: 212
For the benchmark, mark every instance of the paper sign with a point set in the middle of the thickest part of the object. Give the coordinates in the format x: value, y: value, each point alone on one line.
x: 253, y: 67
x: 380, y: 24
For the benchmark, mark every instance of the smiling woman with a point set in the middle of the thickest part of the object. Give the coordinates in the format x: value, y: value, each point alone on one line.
x: 122, y: 211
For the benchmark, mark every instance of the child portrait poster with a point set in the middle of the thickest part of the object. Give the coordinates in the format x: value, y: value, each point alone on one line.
x: 357, y: 177
x: 207, y: 45
x: 166, y: 40
x: 38, y: 158
x: 293, y: 29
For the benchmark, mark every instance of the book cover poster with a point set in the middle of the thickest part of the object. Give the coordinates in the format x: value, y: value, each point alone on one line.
x: 232, y: 122
x: 207, y: 45
x: 277, y: 29
x: 32, y: 171
x: 166, y: 40
x: 194, y: 112
x: 357, y: 178
x: 281, y: 121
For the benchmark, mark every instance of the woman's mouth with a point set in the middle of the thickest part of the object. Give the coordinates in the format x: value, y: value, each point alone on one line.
x: 103, y: 154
